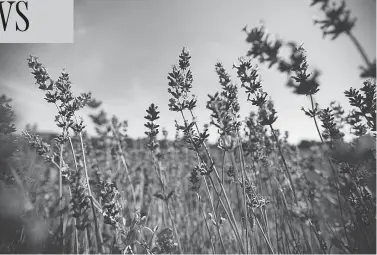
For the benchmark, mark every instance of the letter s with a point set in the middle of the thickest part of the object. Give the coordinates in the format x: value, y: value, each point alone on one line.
x: 22, y: 16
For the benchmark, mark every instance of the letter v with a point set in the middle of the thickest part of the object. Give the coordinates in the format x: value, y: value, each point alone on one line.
x: 3, y: 21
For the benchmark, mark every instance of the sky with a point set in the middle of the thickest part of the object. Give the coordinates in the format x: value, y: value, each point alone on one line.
x: 124, y: 50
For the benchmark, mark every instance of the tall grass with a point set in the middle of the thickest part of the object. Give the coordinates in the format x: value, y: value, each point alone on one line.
x: 252, y: 192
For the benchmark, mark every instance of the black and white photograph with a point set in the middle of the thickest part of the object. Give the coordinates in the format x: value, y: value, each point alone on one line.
x: 188, y: 127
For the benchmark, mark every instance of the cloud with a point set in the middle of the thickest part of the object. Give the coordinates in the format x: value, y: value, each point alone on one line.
x: 80, y: 31
x: 90, y: 67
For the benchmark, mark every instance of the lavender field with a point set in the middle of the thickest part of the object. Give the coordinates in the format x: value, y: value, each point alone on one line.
x: 186, y: 167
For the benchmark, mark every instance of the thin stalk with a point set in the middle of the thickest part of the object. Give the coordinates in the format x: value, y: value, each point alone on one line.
x: 216, y: 216
x: 73, y: 153
x: 75, y: 223
x: 244, y: 194
x: 308, y: 246
x: 232, y: 158
x: 318, y: 237
x: 222, y: 168
x: 158, y: 171
x: 285, y: 163
x: 283, y: 238
x: 264, y: 213
x: 232, y: 220
x: 269, y: 245
x: 76, y: 238
x: 315, y: 119
x: 128, y: 177
x: 295, y: 246
x: 223, y: 190
x: 124, y: 163
x: 89, y: 244
x: 288, y: 241
x: 359, y: 48
x: 86, y: 170
x: 96, y: 203
x: 61, y: 182
x: 277, y: 234
x: 222, y: 177
x: 159, y: 177
x: 61, y: 196
x: 98, y: 234
x: 209, y: 232
x: 175, y: 228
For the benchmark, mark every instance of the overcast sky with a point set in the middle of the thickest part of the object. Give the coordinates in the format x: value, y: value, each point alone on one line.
x: 123, y: 51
